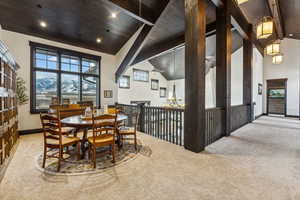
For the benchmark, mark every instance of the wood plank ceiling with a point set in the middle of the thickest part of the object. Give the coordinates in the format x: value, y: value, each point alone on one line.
x: 80, y: 22
x: 76, y: 22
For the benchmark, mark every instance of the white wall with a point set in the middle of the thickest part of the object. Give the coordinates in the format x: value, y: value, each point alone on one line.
x: 18, y: 45
x: 237, y: 77
x: 288, y: 69
x: 257, y: 78
x: 141, y: 91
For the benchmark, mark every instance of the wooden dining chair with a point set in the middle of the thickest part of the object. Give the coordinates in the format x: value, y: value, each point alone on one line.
x: 66, y: 101
x: 104, y: 130
x: 54, y: 138
x: 85, y: 104
x: 130, y: 130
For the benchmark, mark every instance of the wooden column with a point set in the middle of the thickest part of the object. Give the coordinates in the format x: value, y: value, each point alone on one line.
x: 194, y: 118
x: 247, y: 76
x: 223, y: 63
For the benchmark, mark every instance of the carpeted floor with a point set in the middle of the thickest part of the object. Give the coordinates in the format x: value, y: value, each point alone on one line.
x: 260, y: 161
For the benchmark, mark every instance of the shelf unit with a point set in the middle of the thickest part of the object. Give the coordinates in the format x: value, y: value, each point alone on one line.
x: 8, y: 106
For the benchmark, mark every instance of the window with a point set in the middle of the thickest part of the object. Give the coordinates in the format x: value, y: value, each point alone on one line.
x: 154, y: 84
x: 65, y: 74
x: 140, y: 75
x: 163, y: 92
x: 124, y: 82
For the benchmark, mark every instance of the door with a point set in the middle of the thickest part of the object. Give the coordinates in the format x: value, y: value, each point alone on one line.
x: 276, y: 97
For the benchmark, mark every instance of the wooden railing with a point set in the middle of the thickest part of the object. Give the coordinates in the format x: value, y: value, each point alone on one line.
x: 214, y: 126
x: 240, y: 116
x: 168, y: 123
x: 164, y: 123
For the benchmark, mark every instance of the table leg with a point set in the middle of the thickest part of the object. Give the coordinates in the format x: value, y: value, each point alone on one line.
x: 83, y: 141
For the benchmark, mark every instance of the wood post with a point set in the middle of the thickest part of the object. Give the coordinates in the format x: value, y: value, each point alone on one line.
x: 247, y: 76
x: 223, y: 63
x: 194, y: 118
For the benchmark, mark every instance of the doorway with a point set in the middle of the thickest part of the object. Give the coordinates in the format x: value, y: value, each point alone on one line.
x: 276, y: 96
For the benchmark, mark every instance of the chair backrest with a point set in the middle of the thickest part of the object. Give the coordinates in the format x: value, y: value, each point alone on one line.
x: 133, y: 120
x: 64, y: 113
x: 113, y: 110
x: 84, y: 104
x: 66, y: 101
x: 54, y: 100
x: 51, y: 128
x: 104, y: 123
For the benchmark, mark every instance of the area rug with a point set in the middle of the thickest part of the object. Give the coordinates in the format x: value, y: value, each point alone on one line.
x: 72, y: 166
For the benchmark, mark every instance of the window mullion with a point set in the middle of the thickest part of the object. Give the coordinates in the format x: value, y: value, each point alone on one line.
x: 59, y: 78
x: 80, y: 78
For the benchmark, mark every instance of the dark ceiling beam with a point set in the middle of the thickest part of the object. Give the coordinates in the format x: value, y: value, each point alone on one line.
x: 137, y: 45
x: 275, y: 11
x: 165, y: 46
x: 133, y: 51
x: 146, y: 15
x: 240, y: 22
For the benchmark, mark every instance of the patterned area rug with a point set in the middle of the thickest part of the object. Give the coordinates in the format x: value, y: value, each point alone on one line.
x: 72, y: 166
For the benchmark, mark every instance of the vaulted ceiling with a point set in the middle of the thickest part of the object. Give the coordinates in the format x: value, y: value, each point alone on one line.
x: 80, y: 22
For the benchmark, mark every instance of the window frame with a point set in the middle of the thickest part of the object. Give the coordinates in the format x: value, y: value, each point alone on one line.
x: 160, y: 89
x: 59, y: 52
x: 140, y: 70
x: 128, y: 78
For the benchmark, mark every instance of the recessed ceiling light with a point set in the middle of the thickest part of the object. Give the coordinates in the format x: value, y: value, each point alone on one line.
x: 98, y: 40
x: 113, y: 15
x: 43, y: 24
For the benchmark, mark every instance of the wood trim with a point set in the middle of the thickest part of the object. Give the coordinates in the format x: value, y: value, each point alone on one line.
x: 258, y: 116
x: 30, y: 131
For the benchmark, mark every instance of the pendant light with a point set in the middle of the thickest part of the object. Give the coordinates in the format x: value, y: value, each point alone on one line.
x: 277, y: 59
x: 265, y: 28
x: 273, y: 49
x: 241, y: 1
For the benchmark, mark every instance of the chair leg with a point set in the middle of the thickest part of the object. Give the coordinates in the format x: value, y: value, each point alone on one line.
x: 59, y: 158
x: 135, y: 142
x: 78, y: 151
x: 44, y: 157
x: 113, y: 153
x: 94, y: 157
x: 89, y: 152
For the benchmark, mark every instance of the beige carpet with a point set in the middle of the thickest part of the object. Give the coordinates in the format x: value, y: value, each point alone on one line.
x: 260, y: 161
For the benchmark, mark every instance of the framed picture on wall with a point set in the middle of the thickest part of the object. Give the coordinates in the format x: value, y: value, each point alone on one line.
x: 108, y: 93
x: 260, y: 88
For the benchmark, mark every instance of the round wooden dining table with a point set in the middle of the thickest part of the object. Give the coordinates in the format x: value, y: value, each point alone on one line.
x: 80, y: 123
